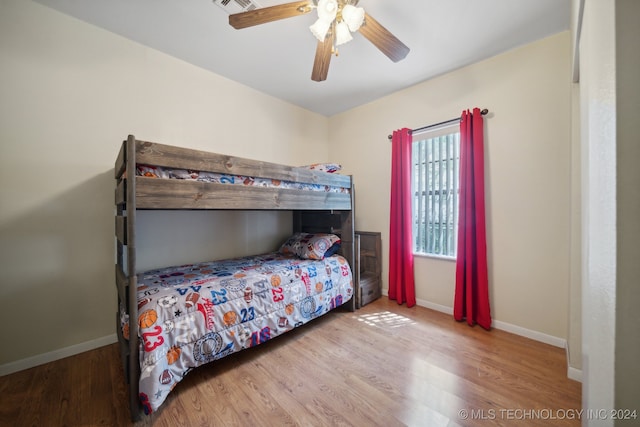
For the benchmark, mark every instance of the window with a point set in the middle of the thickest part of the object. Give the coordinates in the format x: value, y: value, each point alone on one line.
x: 436, y: 161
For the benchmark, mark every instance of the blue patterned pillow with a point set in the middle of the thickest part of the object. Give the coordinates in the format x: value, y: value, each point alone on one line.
x: 311, y: 246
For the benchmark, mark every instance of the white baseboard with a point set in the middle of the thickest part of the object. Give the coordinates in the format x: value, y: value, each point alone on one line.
x: 40, y: 359
x: 503, y: 326
x: 434, y: 306
x: 574, y: 374
x: 528, y: 333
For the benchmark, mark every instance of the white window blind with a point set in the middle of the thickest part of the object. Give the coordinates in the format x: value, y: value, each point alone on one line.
x: 436, y: 162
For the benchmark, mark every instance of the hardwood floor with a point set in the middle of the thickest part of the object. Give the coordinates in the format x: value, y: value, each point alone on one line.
x: 384, y: 365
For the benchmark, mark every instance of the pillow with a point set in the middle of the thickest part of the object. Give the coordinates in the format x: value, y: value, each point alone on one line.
x: 311, y: 246
x: 324, y: 167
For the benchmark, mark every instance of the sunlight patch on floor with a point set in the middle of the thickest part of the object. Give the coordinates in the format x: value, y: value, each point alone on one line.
x: 433, y: 391
x: 385, y: 319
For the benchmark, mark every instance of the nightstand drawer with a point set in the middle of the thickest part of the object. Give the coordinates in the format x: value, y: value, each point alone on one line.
x: 370, y: 289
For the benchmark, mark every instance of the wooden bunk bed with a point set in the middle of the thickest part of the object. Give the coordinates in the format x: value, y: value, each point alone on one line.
x: 313, y: 212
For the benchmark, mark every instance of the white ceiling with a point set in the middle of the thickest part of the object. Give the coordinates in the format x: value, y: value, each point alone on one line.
x: 277, y: 58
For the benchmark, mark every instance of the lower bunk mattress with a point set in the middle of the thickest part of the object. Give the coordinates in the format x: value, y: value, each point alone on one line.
x: 193, y: 314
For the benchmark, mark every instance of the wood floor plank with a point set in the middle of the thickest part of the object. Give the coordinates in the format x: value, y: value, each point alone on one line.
x: 383, y: 365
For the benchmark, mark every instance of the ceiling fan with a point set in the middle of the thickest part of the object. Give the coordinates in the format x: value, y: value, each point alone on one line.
x: 337, y: 19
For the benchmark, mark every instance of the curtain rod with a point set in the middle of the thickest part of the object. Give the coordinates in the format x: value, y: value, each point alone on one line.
x: 484, y: 112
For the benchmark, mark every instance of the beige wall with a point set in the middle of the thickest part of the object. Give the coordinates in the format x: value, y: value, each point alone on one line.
x: 528, y: 155
x: 69, y: 94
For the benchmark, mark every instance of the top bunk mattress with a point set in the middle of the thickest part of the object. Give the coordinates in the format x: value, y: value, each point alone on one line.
x: 160, y: 172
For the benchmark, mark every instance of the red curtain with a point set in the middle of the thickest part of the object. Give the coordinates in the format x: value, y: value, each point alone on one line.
x: 471, y: 300
x: 401, y: 283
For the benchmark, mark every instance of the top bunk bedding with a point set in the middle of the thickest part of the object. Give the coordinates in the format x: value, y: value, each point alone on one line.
x: 221, y: 178
x: 199, y: 180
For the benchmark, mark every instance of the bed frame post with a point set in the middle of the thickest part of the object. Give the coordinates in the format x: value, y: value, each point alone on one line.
x: 348, y: 226
x: 349, y: 252
x: 133, y: 363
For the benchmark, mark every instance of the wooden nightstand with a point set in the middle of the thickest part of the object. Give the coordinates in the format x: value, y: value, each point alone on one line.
x: 369, y: 271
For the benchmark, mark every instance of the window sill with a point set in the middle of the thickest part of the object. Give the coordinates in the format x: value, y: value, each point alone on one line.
x: 432, y: 256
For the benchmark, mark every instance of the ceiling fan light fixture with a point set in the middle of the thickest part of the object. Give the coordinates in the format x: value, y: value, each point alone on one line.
x: 320, y: 29
x: 337, y: 19
x: 353, y: 16
x: 343, y: 35
x: 327, y: 10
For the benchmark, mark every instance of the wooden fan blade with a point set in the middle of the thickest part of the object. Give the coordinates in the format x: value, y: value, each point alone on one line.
x: 383, y: 39
x: 323, y: 59
x: 269, y: 14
